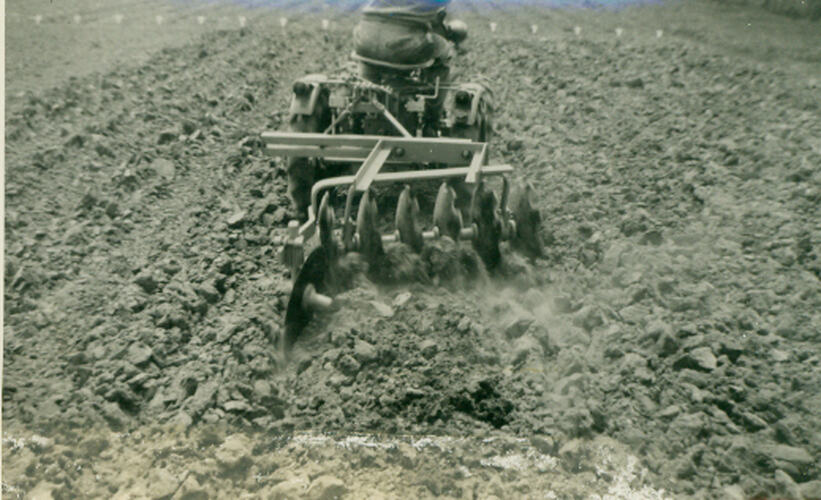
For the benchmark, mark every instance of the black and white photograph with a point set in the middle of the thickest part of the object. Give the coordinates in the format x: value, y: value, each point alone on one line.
x: 400, y: 249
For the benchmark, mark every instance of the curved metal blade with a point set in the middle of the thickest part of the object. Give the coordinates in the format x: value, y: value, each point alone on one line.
x: 370, y: 241
x: 508, y: 226
x: 505, y: 196
x: 463, y: 195
x: 347, y: 223
x: 325, y: 221
x: 313, y: 277
x: 528, y: 238
x: 445, y: 215
x: 298, y: 314
x: 488, y: 226
x: 407, y: 211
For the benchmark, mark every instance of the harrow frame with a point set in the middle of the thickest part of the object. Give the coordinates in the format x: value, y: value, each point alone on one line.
x: 460, y: 157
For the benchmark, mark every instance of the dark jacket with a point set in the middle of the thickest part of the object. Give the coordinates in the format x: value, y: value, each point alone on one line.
x: 422, y: 11
x: 405, y: 32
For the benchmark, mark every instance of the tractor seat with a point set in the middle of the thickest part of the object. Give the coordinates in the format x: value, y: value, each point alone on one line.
x: 379, y: 71
x: 390, y: 65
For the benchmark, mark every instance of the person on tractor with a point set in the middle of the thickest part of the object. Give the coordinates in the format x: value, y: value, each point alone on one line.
x: 403, y: 35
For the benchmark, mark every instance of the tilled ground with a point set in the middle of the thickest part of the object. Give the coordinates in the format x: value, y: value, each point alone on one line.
x: 675, y: 319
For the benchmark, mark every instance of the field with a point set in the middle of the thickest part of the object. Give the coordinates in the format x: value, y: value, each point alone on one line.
x: 666, y: 347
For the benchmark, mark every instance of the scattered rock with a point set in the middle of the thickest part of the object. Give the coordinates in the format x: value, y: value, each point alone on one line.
x: 88, y: 201
x: 517, y: 328
x: 112, y: 209
x: 364, y: 352
x: 41, y: 444
x: 670, y: 412
x: 402, y: 299
x: 327, y: 488
x: 44, y: 490
x: 653, y: 238
x: 113, y: 415
x: 294, y: 487
x: 656, y: 329
x: 191, y: 489
x: 348, y: 365
x: 104, y: 151
x: 203, y: 398
x: 428, y: 348
x: 588, y: 318
x: 574, y: 455
x: 543, y: 444
x: 700, y: 358
x: 78, y: 358
x: 382, y: 309
x: 635, y: 83
x: 731, y: 349
x: 526, y: 347
x: 753, y: 422
x: 515, y: 145
x: 734, y: 492
x: 779, y: 356
x: 167, y: 137
x: 181, y: 421
x: 667, y: 344
x: 234, y: 456
x: 188, y: 127
x: 208, y: 291
x: 236, y: 219
x: 94, y: 446
x: 263, y: 390
x: 811, y: 490
x: 237, y: 406
x: 230, y: 326
x: 161, y: 484
x: 164, y: 168
x: 77, y: 141
x: 787, y: 484
x: 76, y: 235
x: 146, y: 281
x: 791, y: 454
x: 564, y: 305
x: 704, y: 358
x: 339, y: 337
x: 139, y: 354
x: 572, y: 384
x: 612, y: 257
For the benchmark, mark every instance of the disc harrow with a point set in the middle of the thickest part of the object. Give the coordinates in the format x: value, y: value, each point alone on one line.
x: 460, y: 164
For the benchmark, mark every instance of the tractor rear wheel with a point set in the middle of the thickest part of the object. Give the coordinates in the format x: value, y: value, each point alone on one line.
x: 479, y: 131
x: 302, y: 170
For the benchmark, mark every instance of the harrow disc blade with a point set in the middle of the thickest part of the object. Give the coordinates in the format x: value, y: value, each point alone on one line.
x: 313, y: 278
x: 528, y: 238
x: 299, y: 312
x: 445, y: 215
x: 370, y: 241
x: 407, y: 212
x: 505, y: 196
x: 488, y: 226
x: 347, y: 223
x: 325, y: 221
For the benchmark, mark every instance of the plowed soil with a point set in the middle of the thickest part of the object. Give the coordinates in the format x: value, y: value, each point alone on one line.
x: 667, y: 346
